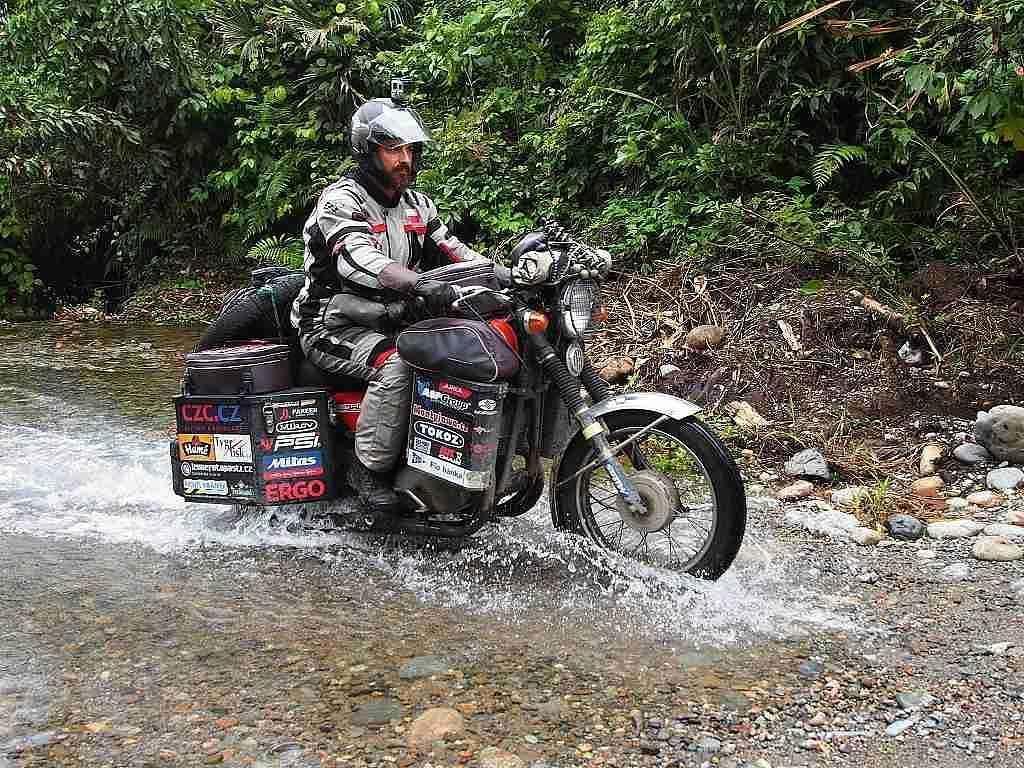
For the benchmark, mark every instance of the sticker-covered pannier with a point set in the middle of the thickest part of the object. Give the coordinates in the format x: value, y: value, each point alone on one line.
x: 266, y: 449
x: 239, y: 370
x: 466, y: 349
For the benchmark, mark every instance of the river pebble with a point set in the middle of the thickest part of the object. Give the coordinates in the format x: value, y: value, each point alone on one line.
x: 971, y: 453
x: 997, y: 548
x: 1004, y: 479
x: 954, y: 529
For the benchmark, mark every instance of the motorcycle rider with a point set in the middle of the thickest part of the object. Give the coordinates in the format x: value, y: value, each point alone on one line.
x: 364, y: 242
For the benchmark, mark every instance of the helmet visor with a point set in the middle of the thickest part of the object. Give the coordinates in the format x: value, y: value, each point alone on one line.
x: 398, y: 127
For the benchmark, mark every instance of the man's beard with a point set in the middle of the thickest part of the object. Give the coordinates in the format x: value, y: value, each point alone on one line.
x: 401, y: 177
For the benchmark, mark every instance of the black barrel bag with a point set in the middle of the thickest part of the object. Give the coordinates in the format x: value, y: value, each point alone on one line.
x: 464, y: 349
x: 245, y: 369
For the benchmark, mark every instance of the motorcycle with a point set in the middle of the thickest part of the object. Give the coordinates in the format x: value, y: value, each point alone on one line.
x: 504, y: 404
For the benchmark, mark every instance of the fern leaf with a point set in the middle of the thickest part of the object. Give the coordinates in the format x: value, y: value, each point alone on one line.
x: 277, y: 249
x: 831, y: 158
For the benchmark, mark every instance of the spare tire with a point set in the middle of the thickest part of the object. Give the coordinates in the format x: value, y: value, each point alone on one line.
x: 249, y: 313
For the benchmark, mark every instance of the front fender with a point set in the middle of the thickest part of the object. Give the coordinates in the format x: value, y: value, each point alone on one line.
x: 653, y: 402
x: 656, y: 402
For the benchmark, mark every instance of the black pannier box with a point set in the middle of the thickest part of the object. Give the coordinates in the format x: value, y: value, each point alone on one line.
x: 454, y: 429
x: 245, y: 369
x: 267, y: 449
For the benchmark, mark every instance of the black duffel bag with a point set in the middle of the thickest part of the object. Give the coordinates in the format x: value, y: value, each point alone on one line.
x: 464, y: 349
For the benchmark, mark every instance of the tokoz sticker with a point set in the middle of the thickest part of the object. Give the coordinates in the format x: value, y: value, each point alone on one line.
x: 196, y: 447
x: 302, y: 442
x: 291, y: 465
x: 297, y: 490
x: 209, y: 487
x: 233, y: 448
x: 440, y: 434
x: 458, y: 475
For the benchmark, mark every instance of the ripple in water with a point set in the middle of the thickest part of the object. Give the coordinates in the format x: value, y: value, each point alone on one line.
x: 67, y: 479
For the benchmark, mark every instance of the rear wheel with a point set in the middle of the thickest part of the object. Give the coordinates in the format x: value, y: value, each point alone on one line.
x: 695, y: 510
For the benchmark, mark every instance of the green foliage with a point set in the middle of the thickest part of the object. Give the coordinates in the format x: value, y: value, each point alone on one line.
x: 277, y: 249
x: 146, y: 137
x: 831, y: 158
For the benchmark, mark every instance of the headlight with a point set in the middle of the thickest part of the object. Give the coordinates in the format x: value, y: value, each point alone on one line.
x: 577, y: 305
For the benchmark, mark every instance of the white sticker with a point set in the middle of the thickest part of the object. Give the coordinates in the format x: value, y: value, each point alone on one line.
x: 233, y: 448
x: 442, y: 469
x: 210, y: 487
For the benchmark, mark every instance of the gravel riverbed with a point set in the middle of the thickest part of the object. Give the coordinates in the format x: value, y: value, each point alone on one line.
x: 136, y: 631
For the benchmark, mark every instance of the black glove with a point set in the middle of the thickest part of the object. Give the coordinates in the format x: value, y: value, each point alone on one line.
x: 437, y: 294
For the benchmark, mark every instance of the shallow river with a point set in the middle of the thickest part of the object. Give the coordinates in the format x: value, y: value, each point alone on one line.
x: 120, y: 604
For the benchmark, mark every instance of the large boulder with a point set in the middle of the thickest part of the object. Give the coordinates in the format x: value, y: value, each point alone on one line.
x: 1001, y: 432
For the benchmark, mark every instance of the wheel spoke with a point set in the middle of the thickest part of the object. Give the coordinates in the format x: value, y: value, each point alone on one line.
x: 659, y: 457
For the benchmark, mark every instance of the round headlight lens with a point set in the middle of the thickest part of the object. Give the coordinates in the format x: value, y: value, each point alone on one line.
x: 577, y: 306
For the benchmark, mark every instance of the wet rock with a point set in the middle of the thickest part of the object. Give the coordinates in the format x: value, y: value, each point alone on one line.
x: 705, y: 337
x: 905, y: 527
x: 377, y: 712
x: 956, y: 572
x: 826, y: 522
x: 914, y: 699
x: 984, y: 499
x: 1001, y: 431
x: 424, y: 666
x: 1014, y: 517
x: 996, y: 649
x: 811, y: 669
x: 435, y: 724
x: 492, y: 757
x: 798, y: 490
x: 927, y: 486
x: 930, y: 455
x: 954, y: 529
x: 1004, y: 530
x: 898, y: 727
x: 971, y: 453
x: 28, y: 742
x: 649, y: 747
x: 808, y: 463
x: 708, y: 745
x: 1004, y: 479
x: 957, y: 504
x: 865, y: 537
x: 997, y: 549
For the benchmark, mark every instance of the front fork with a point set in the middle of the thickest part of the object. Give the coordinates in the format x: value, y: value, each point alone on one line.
x: 591, y: 429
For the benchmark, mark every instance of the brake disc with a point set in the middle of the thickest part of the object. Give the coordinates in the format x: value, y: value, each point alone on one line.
x: 660, y: 498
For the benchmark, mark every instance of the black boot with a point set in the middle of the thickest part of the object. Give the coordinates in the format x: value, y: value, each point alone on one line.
x: 374, y: 489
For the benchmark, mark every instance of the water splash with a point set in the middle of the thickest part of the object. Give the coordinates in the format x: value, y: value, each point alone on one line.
x: 113, y: 485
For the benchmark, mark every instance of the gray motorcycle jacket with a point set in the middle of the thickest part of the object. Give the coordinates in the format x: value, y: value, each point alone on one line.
x: 352, y: 236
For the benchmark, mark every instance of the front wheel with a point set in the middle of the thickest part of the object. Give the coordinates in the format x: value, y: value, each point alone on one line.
x: 695, y: 506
